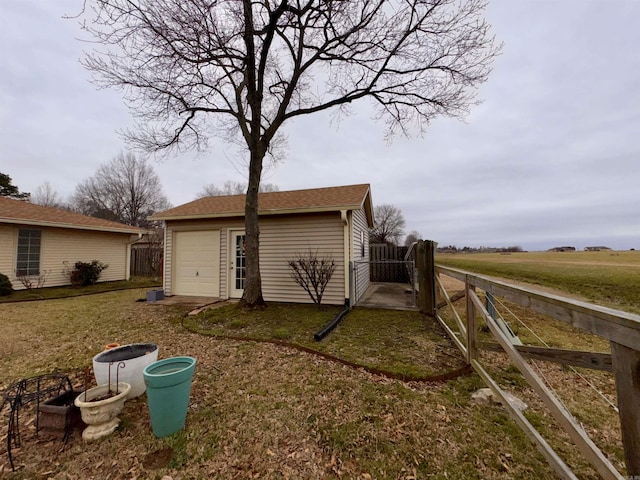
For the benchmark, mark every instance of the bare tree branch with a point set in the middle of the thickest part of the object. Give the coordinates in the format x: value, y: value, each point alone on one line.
x: 125, y: 190
x: 233, y: 188
x: 240, y: 69
x: 46, y: 196
x: 388, y: 224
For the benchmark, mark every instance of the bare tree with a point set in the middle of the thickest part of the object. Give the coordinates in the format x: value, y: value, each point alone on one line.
x: 233, y: 188
x: 155, y: 252
x: 46, y: 196
x: 125, y: 190
x: 412, y: 236
x: 388, y: 224
x: 240, y: 69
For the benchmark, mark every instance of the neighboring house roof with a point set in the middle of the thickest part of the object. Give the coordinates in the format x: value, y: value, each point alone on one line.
x: 25, y: 213
x: 328, y: 199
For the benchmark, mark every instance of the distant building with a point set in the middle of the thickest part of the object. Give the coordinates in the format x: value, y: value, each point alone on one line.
x: 595, y: 249
x: 562, y: 249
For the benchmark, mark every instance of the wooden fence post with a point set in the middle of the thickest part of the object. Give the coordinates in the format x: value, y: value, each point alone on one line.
x: 621, y: 328
x: 626, y: 366
x: 472, y: 335
x: 425, y: 262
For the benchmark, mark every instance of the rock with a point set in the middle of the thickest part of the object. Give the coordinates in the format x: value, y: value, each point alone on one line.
x: 485, y: 396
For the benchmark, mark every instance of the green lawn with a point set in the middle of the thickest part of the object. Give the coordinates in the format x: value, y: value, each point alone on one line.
x: 401, y: 343
x: 69, y: 291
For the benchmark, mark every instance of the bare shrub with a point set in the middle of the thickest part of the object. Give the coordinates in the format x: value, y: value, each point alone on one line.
x: 312, y: 273
x: 31, y: 282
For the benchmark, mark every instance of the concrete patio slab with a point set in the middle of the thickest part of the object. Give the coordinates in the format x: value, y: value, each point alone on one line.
x: 396, y: 296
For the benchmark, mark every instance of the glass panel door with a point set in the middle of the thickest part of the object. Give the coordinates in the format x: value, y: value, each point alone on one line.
x: 238, y: 266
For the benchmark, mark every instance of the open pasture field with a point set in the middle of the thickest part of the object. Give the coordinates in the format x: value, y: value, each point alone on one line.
x: 608, y: 278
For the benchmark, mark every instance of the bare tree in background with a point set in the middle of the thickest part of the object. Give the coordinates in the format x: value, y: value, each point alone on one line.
x: 154, y: 251
x: 388, y: 224
x: 125, y: 190
x: 233, y: 188
x: 412, y: 236
x: 240, y: 69
x: 46, y: 196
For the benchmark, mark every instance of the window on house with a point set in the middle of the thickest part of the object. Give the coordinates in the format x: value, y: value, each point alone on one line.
x: 362, y: 243
x: 28, y: 262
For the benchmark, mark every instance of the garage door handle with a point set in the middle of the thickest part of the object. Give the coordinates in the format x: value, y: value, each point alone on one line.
x: 197, y: 273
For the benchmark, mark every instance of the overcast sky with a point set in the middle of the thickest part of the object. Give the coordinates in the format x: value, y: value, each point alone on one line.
x: 552, y: 156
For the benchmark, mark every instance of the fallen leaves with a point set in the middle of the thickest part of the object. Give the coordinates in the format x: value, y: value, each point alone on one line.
x: 157, y: 459
x: 258, y: 411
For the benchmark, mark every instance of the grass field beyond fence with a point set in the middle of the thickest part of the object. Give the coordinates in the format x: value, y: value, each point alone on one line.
x: 608, y: 278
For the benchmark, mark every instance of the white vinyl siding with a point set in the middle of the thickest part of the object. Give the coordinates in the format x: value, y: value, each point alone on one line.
x: 281, y: 237
x: 167, y: 264
x: 61, y: 248
x: 361, y: 272
x: 8, y: 240
x: 225, y: 263
x: 70, y: 246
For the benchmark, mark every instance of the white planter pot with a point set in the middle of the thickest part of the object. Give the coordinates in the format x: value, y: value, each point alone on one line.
x: 101, y: 416
x: 135, y: 357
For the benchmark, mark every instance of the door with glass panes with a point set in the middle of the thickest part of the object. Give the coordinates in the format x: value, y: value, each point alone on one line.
x: 237, y: 264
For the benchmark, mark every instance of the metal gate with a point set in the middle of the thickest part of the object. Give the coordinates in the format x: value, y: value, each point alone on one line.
x: 367, y: 273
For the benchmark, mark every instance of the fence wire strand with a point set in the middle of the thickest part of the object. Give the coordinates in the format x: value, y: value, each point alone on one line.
x: 541, y: 340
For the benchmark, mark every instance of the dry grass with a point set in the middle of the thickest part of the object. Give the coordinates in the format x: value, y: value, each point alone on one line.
x: 608, y: 278
x: 258, y: 410
x: 587, y: 394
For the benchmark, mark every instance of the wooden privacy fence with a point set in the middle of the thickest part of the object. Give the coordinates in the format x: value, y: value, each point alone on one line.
x: 146, y: 261
x: 388, y: 263
x: 621, y: 329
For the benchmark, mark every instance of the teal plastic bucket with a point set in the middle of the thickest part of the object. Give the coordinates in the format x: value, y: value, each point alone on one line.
x: 168, y: 384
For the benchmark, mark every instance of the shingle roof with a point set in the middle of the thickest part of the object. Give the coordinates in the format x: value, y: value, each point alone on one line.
x: 349, y: 197
x: 25, y: 213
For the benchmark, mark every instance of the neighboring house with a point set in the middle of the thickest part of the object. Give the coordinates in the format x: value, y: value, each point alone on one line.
x: 562, y: 249
x: 46, y: 242
x: 204, y: 243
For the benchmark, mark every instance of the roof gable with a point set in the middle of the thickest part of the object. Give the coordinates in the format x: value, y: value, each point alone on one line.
x: 25, y: 213
x: 350, y: 197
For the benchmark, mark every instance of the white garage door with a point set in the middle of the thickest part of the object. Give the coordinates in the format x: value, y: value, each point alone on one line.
x: 197, y: 263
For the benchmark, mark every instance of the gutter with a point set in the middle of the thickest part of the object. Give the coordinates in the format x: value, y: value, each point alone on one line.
x: 265, y: 212
x: 346, y: 247
x: 73, y: 226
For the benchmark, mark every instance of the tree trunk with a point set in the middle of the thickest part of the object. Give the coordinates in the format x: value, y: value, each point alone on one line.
x: 252, y: 295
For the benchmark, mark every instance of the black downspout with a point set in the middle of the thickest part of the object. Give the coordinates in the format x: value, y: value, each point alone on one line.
x: 324, y: 331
